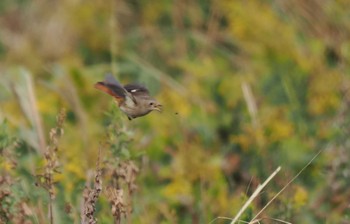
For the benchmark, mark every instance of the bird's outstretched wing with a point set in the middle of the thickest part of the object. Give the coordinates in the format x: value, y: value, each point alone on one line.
x: 136, y: 90
x: 112, y: 87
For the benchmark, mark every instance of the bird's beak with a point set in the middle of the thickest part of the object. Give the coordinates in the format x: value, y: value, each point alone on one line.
x: 158, y: 107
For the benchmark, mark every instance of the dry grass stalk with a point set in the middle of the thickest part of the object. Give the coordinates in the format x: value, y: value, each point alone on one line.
x: 46, y: 180
x: 114, y: 29
x: 257, y: 221
x: 158, y: 74
x: 251, y: 102
x: 91, y: 195
x: 25, y: 94
x: 257, y: 191
x: 124, y: 175
x: 127, y: 172
x: 295, y: 177
x: 255, y: 194
x: 116, y: 199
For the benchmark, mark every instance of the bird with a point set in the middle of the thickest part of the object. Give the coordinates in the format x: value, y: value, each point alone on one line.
x: 133, y: 99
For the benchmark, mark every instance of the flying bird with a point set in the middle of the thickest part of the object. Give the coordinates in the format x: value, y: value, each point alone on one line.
x: 133, y: 99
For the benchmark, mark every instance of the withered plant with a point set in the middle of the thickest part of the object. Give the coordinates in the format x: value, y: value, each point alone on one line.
x: 121, y: 189
x: 121, y: 171
x: 46, y: 180
x: 91, y: 195
x: 13, y: 207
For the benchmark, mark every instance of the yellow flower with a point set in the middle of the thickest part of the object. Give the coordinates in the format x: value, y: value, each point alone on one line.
x: 179, y: 189
x: 300, y: 197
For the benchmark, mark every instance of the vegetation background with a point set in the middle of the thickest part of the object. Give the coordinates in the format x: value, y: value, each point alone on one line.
x: 246, y: 86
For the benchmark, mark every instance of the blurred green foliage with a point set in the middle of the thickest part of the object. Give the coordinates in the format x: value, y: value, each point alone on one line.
x: 246, y: 86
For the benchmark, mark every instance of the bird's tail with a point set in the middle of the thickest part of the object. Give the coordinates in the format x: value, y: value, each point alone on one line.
x: 112, y: 87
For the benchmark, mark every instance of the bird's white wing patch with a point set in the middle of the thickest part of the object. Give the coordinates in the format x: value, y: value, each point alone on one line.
x: 133, y: 90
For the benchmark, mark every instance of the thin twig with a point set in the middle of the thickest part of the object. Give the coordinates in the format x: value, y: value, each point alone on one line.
x: 220, y: 217
x: 251, y: 103
x: 250, y: 182
x: 50, y: 209
x: 113, y: 36
x: 156, y: 73
x: 295, y: 177
x: 255, y: 194
x: 91, y: 195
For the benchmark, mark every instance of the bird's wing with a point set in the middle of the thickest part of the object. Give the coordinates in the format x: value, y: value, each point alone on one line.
x: 112, y: 87
x: 136, y: 90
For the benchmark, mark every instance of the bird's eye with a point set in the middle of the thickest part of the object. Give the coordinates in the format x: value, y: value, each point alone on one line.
x: 151, y: 104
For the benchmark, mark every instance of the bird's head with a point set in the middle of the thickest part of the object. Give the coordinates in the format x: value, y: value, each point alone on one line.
x: 154, y: 105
